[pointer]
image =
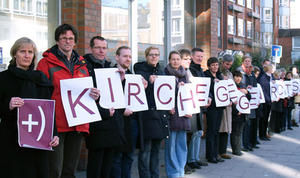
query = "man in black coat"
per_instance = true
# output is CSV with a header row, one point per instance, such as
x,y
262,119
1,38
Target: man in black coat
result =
x,y
196,70
107,134
124,154
155,123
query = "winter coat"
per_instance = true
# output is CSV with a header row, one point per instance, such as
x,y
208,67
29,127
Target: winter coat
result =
x,y
178,123
155,122
54,66
264,81
227,112
109,132
14,160
212,85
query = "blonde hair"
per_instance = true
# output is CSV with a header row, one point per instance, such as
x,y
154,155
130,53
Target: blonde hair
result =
x,y
268,68
277,74
18,44
147,51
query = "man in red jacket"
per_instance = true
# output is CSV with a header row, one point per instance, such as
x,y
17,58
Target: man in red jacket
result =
x,y
58,63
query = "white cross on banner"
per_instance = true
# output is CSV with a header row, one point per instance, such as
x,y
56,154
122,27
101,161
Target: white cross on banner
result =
x,y
35,123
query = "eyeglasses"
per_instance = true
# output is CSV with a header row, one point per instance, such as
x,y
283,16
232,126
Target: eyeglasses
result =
x,y
66,39
153,55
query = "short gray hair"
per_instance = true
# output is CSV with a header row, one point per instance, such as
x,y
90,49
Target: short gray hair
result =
x,y
227,58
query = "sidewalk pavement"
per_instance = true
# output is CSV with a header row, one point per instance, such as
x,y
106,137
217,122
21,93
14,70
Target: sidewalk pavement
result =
x,y
278,158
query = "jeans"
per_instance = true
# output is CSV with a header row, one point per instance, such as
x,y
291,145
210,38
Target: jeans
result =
x,y
148,159
194,147
122,160
65,157
175,154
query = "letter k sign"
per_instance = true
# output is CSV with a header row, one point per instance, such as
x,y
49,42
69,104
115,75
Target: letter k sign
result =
x,y
77,101
79,107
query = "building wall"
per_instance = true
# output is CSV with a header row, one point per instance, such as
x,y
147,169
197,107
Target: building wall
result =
x,y
286,43
85,16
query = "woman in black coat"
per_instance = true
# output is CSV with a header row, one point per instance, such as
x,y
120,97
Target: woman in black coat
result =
x,y
21,81
214,114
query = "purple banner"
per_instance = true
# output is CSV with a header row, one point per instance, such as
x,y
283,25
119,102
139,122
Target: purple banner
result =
x,y
35,123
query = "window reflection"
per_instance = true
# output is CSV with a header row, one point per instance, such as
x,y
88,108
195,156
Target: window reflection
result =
x,y
182,24
150,24
115,24
19,18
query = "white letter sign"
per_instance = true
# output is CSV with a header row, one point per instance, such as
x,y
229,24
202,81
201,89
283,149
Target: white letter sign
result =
x,y
232,89
274,91
201,86
261,94
243,105
186,102
110,86
135,96
254,101
79,107
221,93
164,92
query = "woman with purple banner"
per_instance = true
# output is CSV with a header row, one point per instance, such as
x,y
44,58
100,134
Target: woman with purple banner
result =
x,y
21,81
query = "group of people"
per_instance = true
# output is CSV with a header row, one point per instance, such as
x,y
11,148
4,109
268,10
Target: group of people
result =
x,y
112,142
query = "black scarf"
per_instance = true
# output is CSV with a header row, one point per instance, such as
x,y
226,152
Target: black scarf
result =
x,y
30,75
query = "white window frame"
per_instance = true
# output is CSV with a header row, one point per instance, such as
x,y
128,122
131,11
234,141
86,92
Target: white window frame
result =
x,y
296,47
241,2
241,32
233,32
249,4
249,35
267,17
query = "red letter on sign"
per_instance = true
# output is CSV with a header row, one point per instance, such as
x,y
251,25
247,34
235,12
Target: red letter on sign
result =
x,y
110,89
134,94
186,99
198,86
246,103
77,101
274,89
226,95
169,86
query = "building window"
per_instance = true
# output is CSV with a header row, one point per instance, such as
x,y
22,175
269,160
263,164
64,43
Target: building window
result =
x,y
231,24
175,26
21,19
257,37
182,25
4,4
115,23
241,27
249,4
232,1
267,39
267,15
241,2
219,23
249,30
284,3
257,9
284,22
296,42
175,3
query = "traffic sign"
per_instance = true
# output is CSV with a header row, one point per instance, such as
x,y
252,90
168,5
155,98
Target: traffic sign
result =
x,y
276,53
